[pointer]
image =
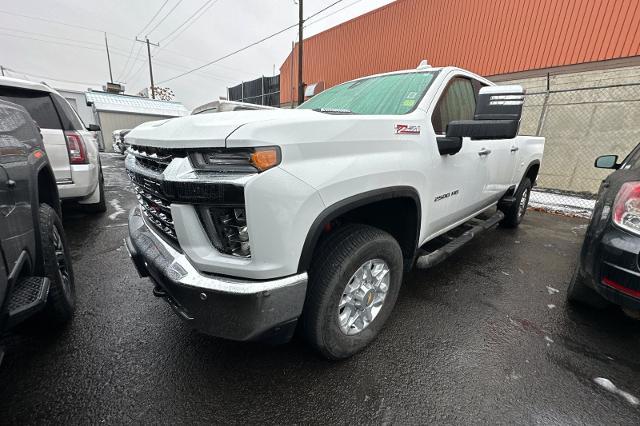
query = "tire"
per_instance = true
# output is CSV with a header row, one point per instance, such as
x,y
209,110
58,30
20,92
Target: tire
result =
x,y
514,213
100,206
343,253
56,265
579,292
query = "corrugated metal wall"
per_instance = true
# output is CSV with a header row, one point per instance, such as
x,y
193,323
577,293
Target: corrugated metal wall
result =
x,y
110,121
489,37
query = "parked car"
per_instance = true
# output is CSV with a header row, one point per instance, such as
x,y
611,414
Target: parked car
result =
x,y
36,276
250,221
608,269
119,145
72,148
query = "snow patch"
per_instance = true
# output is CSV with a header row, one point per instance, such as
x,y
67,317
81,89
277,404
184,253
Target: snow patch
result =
x,y
552,290
608,385
561,203
118,210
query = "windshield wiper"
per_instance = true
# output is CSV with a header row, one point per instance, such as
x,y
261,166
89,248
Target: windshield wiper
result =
x,y
333,110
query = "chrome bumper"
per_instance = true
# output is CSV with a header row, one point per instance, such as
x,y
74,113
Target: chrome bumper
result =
x,y
236,309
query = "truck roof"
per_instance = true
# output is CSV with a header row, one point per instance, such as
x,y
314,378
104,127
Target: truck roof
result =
x,y
425,69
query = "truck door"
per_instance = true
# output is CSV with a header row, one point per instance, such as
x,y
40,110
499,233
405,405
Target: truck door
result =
x,y
457,180
497,162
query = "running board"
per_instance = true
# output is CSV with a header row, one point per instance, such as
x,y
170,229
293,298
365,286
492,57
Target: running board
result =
x,y
27,298
471,229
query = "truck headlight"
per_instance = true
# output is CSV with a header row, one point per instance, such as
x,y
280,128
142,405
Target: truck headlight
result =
x,y
236,160
227,229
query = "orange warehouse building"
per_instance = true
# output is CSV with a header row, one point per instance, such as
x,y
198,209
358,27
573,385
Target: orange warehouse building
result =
x,y
500,39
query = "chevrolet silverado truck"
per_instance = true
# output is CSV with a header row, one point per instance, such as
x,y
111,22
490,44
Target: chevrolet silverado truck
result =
x,y
255,224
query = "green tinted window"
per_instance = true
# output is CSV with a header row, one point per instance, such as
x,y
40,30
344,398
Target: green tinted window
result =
x,y
387,94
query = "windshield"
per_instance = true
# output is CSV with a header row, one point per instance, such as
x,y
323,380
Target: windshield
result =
x,y
385,94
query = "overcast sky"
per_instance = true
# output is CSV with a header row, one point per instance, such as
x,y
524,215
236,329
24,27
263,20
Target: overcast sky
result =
x,y
74,58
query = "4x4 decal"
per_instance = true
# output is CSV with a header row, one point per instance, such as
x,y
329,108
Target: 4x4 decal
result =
x,y
406,129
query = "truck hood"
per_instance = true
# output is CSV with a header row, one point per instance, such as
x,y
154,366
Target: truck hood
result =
x,y
207,130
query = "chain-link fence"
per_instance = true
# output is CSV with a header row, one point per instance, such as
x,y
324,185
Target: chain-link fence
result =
x,y
579,125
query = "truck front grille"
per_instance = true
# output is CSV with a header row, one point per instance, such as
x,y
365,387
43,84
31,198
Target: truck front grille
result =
x,y
155,208
155,159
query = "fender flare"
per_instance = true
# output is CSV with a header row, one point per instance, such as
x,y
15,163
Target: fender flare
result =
x,y
350,203
531,164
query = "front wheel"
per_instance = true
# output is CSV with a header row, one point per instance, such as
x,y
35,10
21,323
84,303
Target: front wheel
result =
x,y
354,284
57,267
514,213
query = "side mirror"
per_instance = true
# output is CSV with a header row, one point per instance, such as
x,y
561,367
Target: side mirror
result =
x,y
93,128
497,115
607,162
449,145
500,103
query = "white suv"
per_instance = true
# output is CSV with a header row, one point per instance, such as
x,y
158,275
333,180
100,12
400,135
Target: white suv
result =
x,y
71,147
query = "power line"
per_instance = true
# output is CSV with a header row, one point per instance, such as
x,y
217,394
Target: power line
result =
x,y
127,74
133,44
248,46
52,42
333,13
165,17
230,54
154,16
206,5
52,21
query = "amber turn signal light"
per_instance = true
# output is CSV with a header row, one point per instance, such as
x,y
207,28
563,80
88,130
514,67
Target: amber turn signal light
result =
x,y
265,158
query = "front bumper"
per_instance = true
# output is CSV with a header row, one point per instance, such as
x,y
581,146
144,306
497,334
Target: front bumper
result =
x,y
236,309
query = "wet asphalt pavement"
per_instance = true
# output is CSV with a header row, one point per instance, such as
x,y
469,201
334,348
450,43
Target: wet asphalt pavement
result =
x,y
485,337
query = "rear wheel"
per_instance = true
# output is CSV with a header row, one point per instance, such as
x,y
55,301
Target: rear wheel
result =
x,y
514,213
354,284
580,292
57,267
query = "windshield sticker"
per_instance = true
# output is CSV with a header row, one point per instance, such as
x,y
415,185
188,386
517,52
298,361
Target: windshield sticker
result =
x,y
412,95
409,102
405,129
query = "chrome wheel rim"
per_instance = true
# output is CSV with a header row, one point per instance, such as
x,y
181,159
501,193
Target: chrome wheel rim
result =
x,y
363,296
522,208
61,262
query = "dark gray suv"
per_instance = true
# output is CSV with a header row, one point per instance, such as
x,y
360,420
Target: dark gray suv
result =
x,y
36,277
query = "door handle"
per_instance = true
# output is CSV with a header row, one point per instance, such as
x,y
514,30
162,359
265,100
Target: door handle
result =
x,y
514,148
11,184
484,151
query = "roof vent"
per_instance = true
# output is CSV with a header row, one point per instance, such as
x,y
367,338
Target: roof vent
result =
x,y
424,64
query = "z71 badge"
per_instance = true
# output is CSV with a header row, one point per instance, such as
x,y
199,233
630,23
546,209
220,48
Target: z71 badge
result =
x,y
405,129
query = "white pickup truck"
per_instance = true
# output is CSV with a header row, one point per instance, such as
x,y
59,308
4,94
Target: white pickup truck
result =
x,y
254,223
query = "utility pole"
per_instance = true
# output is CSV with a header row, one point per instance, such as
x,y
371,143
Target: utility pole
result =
x,y
2,69
106,43
300,42
146,40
